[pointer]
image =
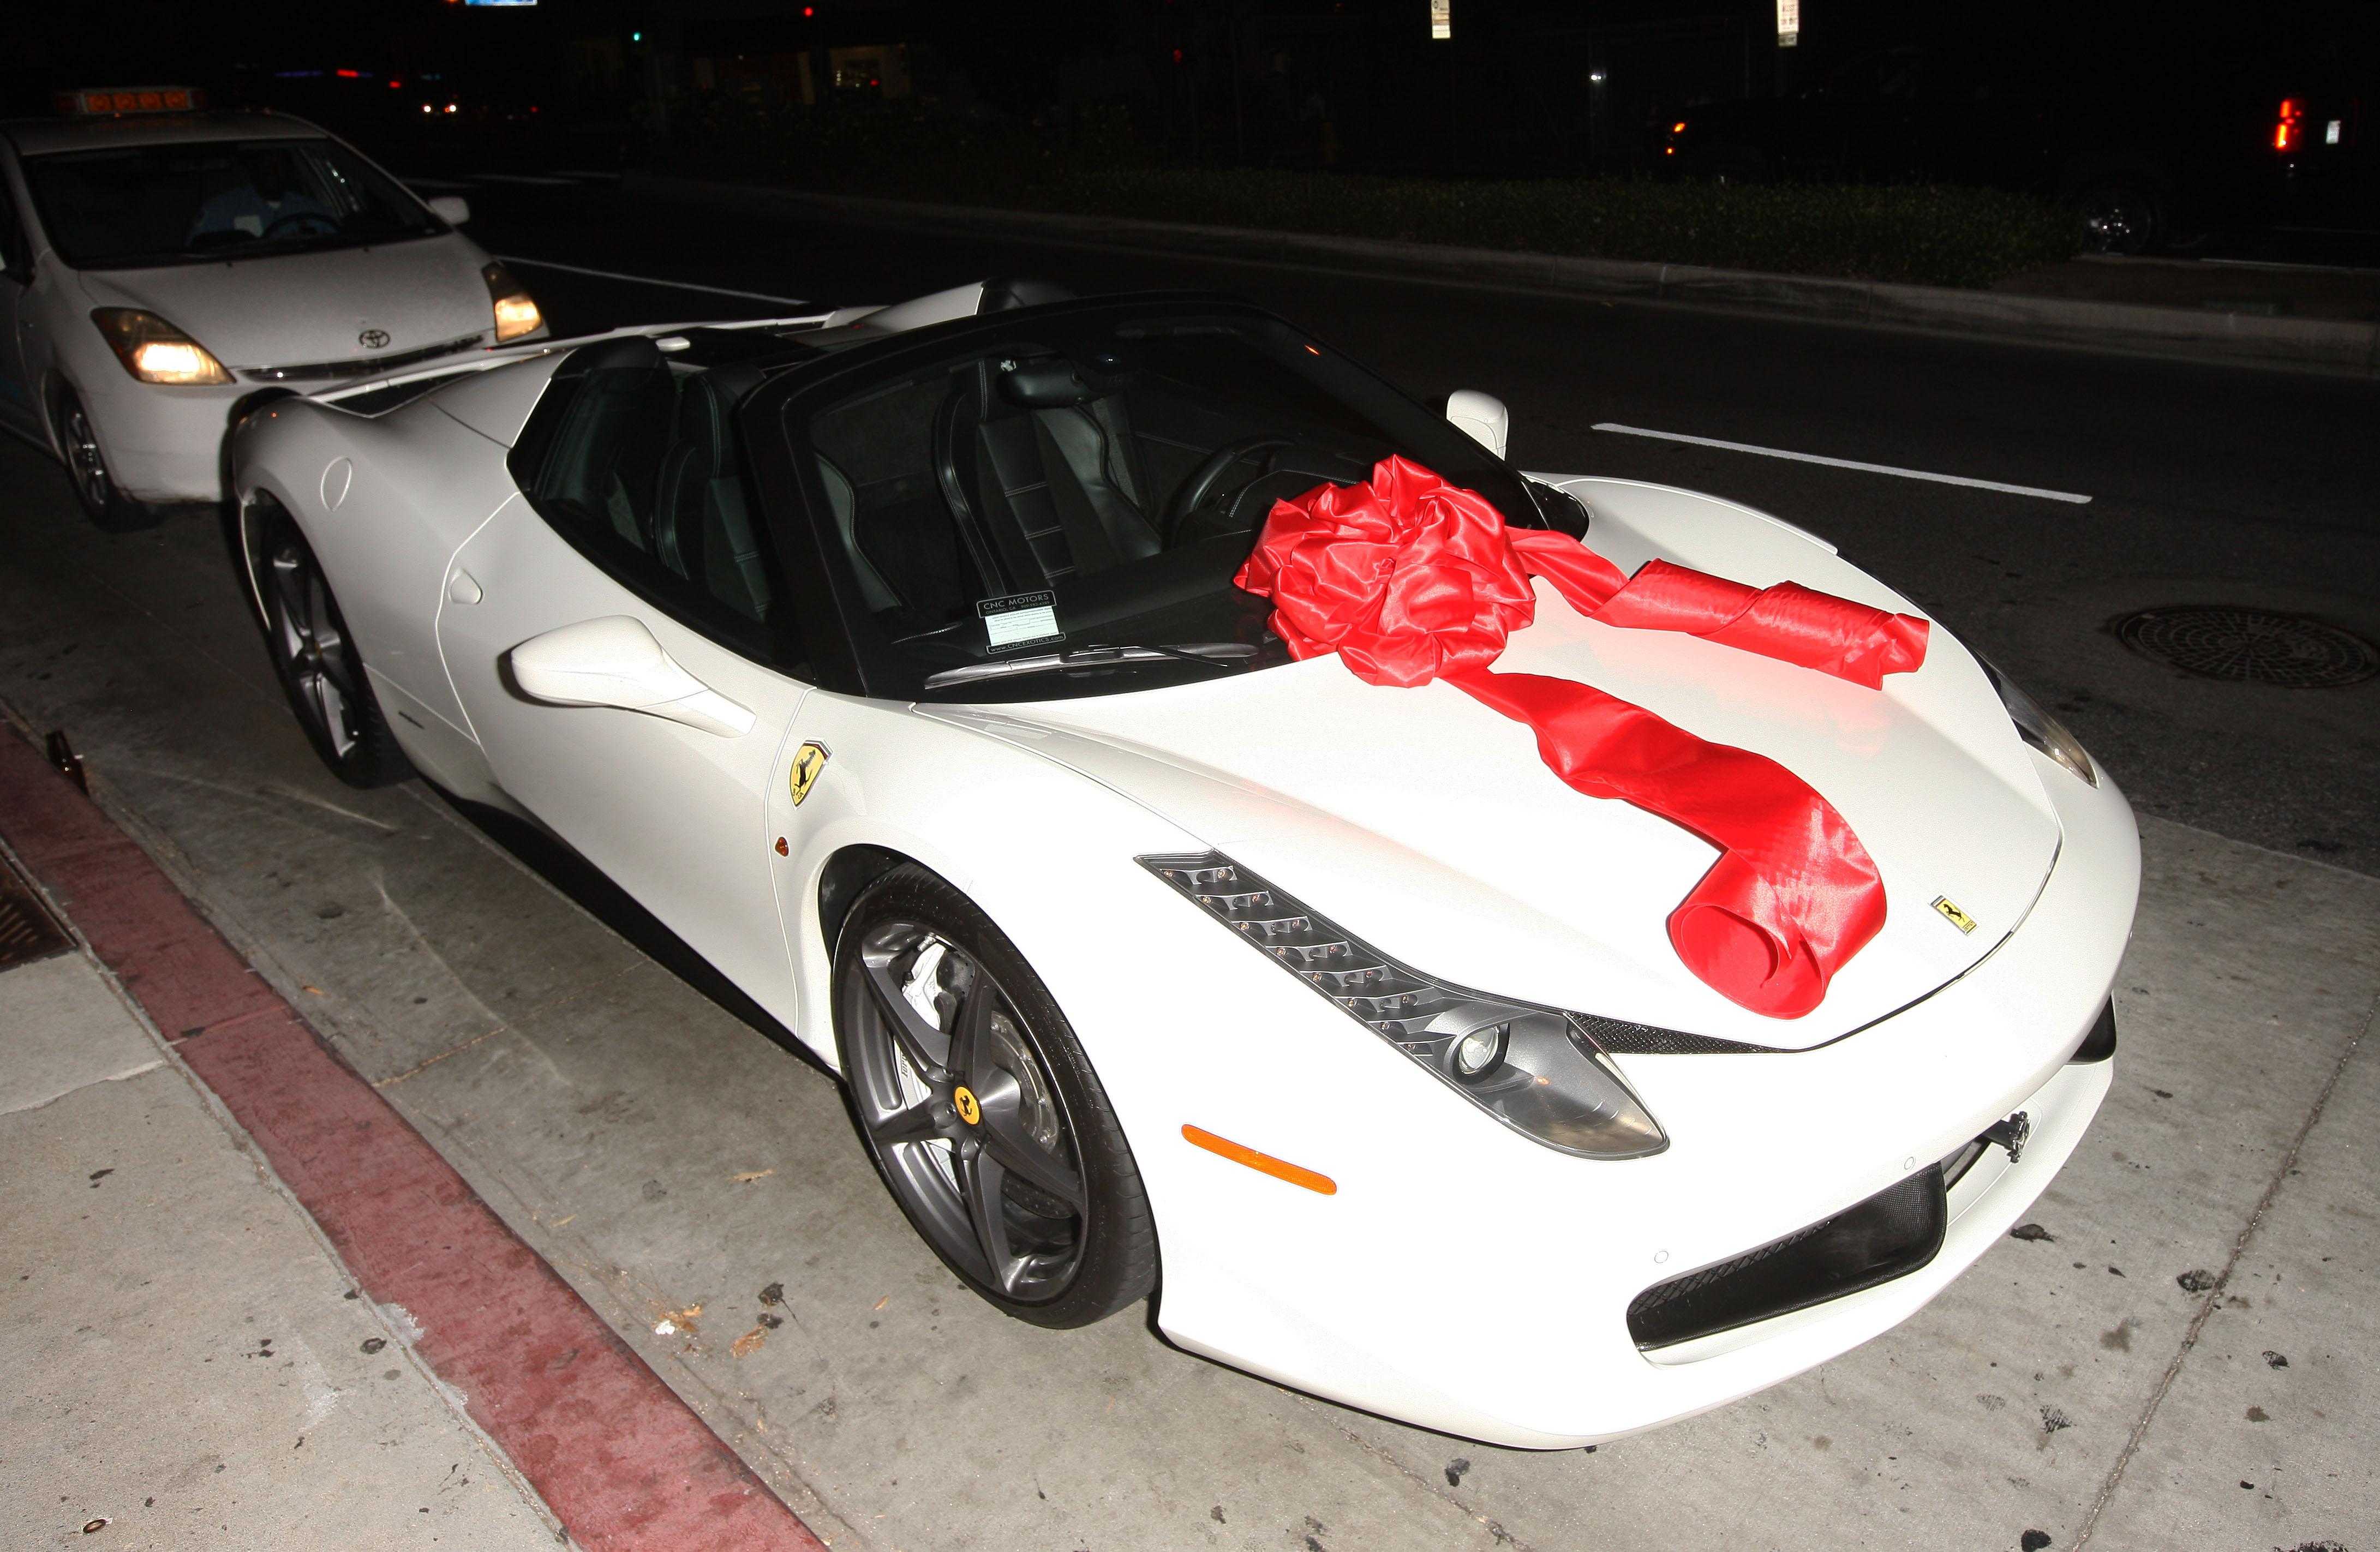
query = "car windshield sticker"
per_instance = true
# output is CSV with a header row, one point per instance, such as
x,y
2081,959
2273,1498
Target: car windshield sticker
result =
x,y
1021,620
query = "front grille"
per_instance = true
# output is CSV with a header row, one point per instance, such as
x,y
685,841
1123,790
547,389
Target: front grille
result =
x,y
359,366
1891,1234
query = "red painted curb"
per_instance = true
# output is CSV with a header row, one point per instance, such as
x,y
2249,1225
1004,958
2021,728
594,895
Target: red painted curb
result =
x,y
625,1463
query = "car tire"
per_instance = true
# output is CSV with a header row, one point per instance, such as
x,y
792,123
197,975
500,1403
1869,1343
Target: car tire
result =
x,y
315,658
2125,208
102,500
986,1122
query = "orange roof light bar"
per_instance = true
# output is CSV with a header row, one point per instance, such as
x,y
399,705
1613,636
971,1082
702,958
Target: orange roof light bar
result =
x,y
1262,1163
2287,132
109,99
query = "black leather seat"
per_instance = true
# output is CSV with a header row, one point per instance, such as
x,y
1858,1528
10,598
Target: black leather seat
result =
x,y
1042,493
702,528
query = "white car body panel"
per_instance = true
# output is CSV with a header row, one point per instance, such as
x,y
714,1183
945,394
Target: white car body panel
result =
x,y
496,403
293,309
1427,855
1449,845
674,816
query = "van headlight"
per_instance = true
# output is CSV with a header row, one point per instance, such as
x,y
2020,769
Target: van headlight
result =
x,y
154,351
516,314
1532,1068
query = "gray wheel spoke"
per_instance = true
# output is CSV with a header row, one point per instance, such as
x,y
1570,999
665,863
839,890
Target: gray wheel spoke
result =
x,y
911,1123
966,1030
330,646
333,706
333,657
290,591
1007,1143
979,1180
917,1039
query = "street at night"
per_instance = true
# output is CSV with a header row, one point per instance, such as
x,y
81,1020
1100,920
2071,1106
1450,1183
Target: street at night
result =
x,y
612,1212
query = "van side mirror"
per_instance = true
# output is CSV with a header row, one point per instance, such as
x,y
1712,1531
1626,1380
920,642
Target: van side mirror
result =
x,y
452,208
1482,417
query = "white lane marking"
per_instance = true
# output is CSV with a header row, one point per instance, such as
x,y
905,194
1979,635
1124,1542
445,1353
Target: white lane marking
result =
x,y
1849,463
649,279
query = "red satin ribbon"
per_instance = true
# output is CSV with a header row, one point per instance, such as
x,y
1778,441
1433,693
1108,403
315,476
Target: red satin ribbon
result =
x,y
1410,579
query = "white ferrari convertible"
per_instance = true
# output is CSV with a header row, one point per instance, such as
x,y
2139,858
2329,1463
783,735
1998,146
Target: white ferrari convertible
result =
x,y
1074,721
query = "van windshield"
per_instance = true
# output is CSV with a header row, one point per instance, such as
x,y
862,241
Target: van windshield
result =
x,y
196,202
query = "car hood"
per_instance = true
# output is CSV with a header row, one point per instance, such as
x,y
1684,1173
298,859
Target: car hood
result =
x,y
1426,824
310,308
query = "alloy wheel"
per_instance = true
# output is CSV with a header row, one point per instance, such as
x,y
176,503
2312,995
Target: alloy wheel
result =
x,y
2118,218
959,1104
85,462
310,642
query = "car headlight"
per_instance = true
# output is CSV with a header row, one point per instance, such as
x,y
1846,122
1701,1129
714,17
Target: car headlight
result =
x,y
516,314
154,351
1533,1069
2037,727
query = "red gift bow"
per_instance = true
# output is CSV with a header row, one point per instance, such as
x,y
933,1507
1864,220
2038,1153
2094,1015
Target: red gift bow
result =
x,y
1410,579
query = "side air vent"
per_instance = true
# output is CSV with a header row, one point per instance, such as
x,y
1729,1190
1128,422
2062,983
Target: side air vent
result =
x,y
1891,1234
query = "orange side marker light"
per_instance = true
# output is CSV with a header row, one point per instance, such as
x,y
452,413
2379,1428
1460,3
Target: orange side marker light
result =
x,y
1262,1163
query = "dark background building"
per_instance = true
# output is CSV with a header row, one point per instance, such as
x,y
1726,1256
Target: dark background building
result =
x,y
2144,98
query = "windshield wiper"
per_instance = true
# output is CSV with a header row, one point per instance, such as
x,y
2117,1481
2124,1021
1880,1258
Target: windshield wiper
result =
x,y
1213,654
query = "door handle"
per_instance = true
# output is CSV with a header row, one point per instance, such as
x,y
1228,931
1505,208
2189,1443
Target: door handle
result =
x,y
616,662
462,588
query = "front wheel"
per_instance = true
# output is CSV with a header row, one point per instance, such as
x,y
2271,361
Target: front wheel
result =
x,y
981,1110
102,500
2123,212
315,659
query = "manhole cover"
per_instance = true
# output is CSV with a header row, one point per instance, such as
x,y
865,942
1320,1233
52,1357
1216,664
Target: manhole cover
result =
x,y
26,930
2260,646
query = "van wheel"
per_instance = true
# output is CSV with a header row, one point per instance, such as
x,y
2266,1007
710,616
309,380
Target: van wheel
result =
x,y
102,500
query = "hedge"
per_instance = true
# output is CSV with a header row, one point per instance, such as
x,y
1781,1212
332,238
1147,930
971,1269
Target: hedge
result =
x,y
1930,234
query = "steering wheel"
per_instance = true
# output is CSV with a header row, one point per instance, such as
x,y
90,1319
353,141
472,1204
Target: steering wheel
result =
x,y
303,223
1194,492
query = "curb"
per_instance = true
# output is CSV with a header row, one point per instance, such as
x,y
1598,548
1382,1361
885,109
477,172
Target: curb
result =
x,y
2331,346
619,1458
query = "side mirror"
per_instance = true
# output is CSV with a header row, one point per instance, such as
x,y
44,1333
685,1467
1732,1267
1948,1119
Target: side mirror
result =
x,y
1482,416
452,208
616,662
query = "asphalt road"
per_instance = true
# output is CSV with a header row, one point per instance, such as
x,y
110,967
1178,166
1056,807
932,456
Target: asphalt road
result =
x,y
2207,484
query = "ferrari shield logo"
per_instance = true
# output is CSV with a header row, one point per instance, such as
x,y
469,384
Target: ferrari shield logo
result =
x,y
1951,914
808,761
970,1109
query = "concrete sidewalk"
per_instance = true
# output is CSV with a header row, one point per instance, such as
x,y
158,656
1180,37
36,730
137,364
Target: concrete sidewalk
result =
x,y
188,1364
620,1461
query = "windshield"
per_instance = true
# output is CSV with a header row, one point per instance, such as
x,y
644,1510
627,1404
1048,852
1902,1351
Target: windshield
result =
x,y
1094,479
190,202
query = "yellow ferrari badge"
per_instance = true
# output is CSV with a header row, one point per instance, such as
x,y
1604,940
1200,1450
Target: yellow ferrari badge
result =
x,y
963,1101
1951,914
808,761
